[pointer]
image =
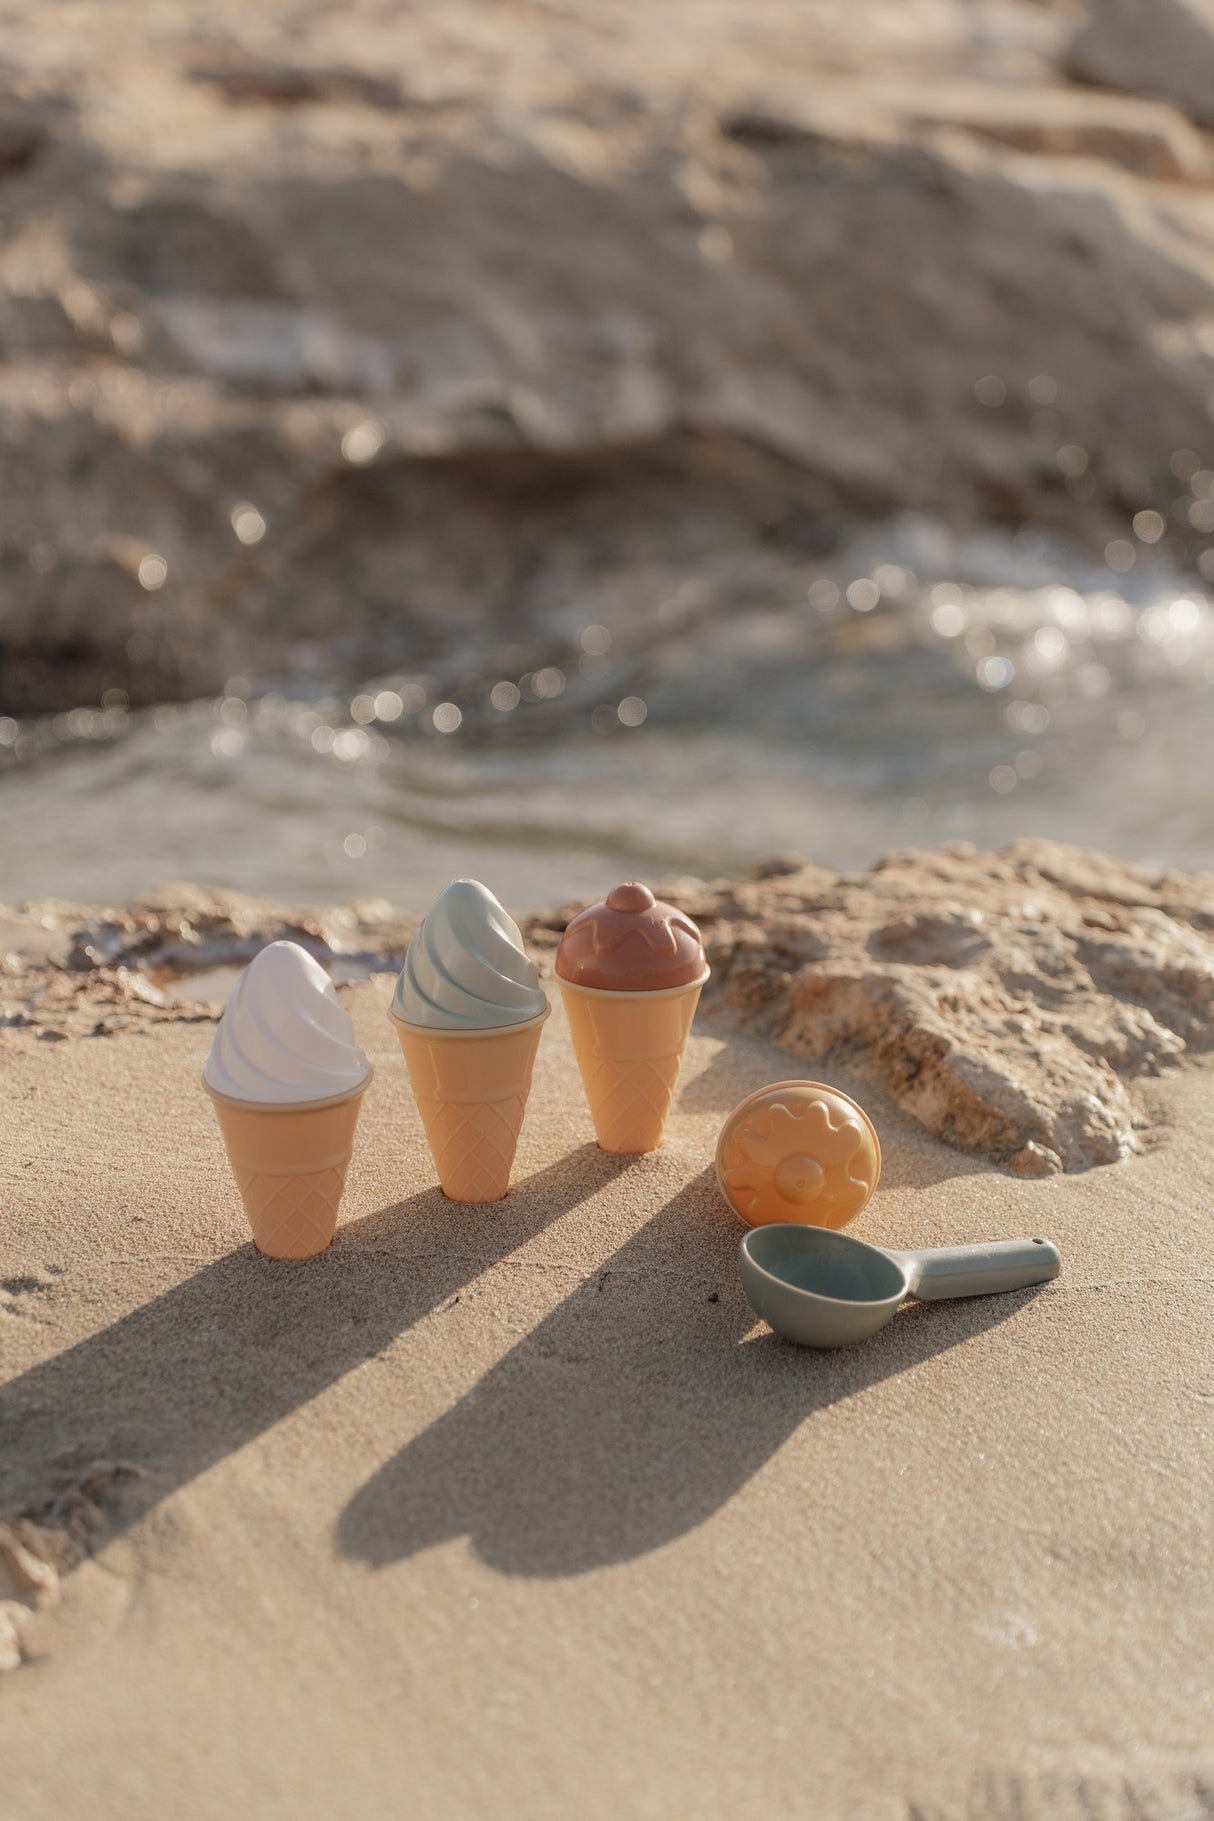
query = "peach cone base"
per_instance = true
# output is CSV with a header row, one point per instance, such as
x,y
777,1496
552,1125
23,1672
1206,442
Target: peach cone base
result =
x,y
290,1166
630,1049
471,1089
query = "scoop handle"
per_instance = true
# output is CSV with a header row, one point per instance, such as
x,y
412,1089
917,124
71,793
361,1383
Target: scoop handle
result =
x,y
1001,1264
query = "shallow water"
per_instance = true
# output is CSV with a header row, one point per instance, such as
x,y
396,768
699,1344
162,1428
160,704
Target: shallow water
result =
x,y
852,711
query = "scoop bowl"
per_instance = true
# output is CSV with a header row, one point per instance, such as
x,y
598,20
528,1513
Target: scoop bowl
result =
x,y
821,1288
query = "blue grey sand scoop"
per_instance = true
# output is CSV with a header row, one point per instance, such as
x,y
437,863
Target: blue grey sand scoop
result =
x,y
821,1288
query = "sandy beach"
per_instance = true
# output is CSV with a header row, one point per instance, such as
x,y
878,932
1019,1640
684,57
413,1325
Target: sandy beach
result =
x,y
516,1510
764,451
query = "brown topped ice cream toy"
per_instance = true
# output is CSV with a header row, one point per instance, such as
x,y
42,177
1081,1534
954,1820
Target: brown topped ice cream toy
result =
x,y
631,971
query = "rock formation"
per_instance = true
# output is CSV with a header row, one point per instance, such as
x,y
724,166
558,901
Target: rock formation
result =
x,y
334,341
1009,1001
1151,47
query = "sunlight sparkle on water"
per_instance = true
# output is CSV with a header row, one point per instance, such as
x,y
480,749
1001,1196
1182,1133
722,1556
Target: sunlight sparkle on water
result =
x,y
996,672
1049,648
248,523
364,442
893,581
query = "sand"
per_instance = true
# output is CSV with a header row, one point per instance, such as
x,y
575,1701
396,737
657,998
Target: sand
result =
x,y
516,1512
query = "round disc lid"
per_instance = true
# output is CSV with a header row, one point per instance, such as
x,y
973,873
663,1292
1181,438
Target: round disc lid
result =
x,y
798,1151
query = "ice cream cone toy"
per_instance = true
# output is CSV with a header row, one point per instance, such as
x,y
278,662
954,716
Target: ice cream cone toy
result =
x,y
631,971
286,1079
798,1152
468,1010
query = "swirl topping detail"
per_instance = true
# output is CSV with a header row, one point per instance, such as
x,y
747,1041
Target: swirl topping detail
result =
x,y
466,968
283,1038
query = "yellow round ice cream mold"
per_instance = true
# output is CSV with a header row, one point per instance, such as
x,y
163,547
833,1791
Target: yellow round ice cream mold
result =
x,y
798,1151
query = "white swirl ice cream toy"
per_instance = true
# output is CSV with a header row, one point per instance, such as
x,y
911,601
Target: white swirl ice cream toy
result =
x,y
287,1079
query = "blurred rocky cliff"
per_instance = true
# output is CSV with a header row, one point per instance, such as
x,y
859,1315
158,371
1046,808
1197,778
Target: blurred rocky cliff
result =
x,y
331,335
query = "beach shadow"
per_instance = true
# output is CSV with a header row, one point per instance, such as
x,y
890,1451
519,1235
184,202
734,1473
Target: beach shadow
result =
x,y
632,1413
202,1370
738,1068
910,1157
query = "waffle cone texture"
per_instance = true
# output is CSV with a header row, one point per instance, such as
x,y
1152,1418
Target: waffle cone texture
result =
x,y
290,1166
630,1050
471,1089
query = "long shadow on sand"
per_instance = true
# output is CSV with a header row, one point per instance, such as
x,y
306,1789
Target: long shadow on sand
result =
x,y
198,1372
632,1413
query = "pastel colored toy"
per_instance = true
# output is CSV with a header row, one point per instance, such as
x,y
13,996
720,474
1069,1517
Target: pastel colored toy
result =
x,y
468,1011
825,1289
798,1151
631,971
286,1079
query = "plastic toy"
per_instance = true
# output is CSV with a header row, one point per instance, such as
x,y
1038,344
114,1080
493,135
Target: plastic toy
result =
x,y
631,971
287,1079
468,1010
825,1289
798,1151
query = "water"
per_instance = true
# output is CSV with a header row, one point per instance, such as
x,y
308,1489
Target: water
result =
x,y
922,689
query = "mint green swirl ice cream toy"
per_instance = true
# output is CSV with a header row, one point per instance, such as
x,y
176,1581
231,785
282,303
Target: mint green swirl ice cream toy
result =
x,y
468,1010
466,969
